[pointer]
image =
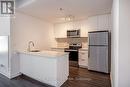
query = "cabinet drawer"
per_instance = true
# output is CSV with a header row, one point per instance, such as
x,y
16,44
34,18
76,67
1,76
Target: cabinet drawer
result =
x,y
83,55
83,58
83,63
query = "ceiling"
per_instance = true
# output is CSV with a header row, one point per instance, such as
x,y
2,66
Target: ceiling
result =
x,y
50,9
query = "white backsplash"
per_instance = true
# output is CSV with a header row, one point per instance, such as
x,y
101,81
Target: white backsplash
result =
x,y
64,42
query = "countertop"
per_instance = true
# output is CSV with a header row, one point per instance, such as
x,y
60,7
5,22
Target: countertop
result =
x,y
59,47
83,49
62,48
45,53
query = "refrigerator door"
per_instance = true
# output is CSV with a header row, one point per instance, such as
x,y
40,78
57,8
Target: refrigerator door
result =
x,y
98,38
98,58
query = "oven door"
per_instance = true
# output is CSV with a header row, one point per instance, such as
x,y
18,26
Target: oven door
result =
x,y
73,57
73,54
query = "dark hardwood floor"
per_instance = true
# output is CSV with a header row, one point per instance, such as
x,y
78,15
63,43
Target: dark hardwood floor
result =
x,y
78,78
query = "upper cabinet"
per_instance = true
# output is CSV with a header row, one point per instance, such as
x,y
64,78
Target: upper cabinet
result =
x,y
95,23
92,23
60,30
84,28
101,22
104,22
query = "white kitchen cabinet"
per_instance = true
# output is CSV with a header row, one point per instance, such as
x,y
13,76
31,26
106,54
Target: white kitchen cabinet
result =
x,y
94,23
104,22
82,25
84,32
101,22
60,30
84,29
83,59
48,67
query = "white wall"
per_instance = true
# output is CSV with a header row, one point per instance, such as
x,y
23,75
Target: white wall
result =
x,y
121,44
4,25
25,28
124,44
114,44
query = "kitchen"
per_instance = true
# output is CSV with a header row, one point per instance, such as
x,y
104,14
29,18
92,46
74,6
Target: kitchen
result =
x,y
53,39
80,42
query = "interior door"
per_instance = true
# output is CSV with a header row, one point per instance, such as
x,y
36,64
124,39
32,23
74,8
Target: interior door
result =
x,y
98,58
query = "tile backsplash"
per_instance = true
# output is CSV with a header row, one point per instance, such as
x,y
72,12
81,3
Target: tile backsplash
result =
x,y
64,42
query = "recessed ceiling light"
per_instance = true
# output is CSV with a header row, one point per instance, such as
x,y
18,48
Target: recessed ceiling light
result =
x,y
61,9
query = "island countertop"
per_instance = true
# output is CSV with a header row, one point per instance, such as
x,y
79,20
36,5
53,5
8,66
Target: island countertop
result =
x,y
46,53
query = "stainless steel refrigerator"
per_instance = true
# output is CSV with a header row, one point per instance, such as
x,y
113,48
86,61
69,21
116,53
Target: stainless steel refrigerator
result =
x,y
99,51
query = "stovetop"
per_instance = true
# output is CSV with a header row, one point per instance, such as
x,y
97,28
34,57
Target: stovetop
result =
x,y
73,47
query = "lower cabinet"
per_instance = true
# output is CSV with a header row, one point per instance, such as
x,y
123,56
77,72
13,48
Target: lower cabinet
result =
x,y
50,69
83,59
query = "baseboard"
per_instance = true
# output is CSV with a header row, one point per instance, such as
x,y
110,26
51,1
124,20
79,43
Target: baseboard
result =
x,y
83,66
112,85
5,74
15,75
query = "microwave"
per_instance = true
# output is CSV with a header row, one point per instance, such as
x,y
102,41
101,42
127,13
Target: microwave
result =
x,y
73,33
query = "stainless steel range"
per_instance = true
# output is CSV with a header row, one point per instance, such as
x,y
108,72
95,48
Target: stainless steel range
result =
x,y
73,53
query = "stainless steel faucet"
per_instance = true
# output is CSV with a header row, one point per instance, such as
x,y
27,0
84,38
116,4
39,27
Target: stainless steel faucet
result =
x,y
29,44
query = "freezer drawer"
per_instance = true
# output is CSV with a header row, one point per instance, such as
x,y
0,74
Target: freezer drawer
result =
x,y
98,38
98,58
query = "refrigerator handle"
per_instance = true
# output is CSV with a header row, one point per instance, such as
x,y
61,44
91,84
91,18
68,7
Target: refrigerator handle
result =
x,y
88,52
88,47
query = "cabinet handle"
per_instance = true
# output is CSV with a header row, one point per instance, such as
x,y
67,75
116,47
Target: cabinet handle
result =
x,y
82,53
83,59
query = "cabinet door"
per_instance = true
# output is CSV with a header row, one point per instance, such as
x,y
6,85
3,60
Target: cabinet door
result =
x,y
104,22
93,23
84,29
26,66
83,58
60,31
82,25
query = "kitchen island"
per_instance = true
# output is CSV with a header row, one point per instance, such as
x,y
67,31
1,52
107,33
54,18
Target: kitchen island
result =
x,y
49,67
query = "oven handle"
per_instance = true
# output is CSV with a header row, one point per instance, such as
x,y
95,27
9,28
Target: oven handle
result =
x,y
71,51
